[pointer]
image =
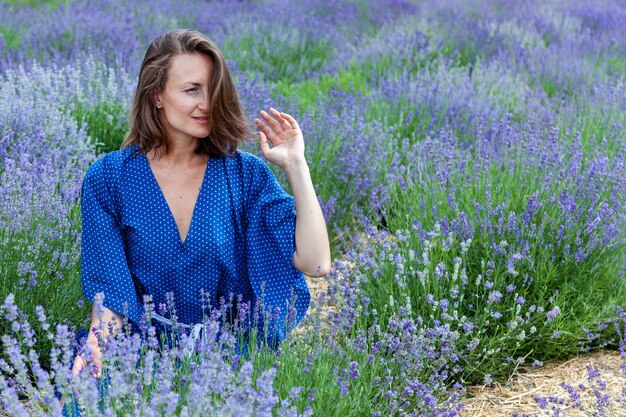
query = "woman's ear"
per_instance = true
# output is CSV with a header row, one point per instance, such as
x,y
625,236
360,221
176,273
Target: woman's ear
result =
x,y
157,101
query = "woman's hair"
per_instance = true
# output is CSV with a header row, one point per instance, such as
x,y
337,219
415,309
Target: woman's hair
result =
x,y
227,122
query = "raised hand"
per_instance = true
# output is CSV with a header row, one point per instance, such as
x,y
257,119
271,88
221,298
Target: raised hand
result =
x,y
283,133
312,255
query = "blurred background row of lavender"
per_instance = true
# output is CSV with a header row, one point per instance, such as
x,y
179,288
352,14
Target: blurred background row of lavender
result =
x,y
469,158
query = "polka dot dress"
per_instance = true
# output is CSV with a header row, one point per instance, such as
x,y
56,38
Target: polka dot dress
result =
x,y
241,240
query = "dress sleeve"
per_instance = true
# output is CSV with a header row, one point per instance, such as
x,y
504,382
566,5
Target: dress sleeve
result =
x,y
270,239
103,259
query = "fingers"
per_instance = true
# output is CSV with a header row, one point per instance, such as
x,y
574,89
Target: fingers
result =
x,y
276,121
96,369
265,147
265,129
80,365
284,124
275,125
292,122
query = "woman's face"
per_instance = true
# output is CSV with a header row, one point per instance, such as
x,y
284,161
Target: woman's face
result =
x,y
184,103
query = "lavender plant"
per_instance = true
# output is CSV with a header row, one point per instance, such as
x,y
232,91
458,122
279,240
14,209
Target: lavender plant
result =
x,y
138,375
560,47
598,114
142,376
43,154
469,159
419,104
510,244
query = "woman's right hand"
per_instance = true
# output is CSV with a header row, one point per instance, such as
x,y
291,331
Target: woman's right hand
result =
x,y
108,317
80,364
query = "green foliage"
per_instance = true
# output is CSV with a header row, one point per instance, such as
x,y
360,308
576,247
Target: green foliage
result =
x,y
615,63
587,292
50,4
106,124
63,41
321,376
549,86
46,277
309,93
464,56
10,36
599,118
282,57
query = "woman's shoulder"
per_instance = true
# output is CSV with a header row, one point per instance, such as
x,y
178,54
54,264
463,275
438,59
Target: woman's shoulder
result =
x,y
251,164
110,164
249,160
251,169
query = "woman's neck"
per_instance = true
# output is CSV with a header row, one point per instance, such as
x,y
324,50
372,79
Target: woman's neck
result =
x,y
178,155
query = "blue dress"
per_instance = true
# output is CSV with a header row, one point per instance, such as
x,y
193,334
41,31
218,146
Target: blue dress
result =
x,y
241,240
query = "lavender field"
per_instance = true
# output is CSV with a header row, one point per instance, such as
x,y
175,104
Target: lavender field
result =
x,y
470,162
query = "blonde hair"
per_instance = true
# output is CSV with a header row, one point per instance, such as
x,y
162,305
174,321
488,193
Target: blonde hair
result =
x,y
228,124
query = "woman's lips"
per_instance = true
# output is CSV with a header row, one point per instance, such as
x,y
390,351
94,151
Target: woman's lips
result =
x,y
201,120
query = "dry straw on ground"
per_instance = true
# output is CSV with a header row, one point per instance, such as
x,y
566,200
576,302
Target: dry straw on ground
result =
x,y
318,287
519,392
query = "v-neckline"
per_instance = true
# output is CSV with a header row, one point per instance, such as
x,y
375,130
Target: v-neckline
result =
x,y
181,241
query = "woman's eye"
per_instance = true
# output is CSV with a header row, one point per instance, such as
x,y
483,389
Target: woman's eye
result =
x,y
191,90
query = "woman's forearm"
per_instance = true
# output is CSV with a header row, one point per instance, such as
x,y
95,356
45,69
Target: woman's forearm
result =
x,y
312,255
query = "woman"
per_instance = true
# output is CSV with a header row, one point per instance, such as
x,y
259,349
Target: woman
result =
x,y
180,210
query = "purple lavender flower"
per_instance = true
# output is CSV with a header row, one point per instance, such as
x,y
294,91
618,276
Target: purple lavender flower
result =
x,y
468,326
487,380
552,314
494,297
353,370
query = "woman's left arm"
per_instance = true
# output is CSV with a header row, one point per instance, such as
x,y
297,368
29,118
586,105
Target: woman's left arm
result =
x,y
312,255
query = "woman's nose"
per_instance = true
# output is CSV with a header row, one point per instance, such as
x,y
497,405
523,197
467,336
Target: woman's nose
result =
x,y
205,101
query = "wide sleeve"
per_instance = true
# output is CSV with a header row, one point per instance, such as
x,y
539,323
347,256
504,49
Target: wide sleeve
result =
x,y
270,240
103,259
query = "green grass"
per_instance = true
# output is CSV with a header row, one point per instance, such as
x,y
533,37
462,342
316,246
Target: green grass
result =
x,y
106,124
284,59
320,375
10,36
61,42
614,63
599,120
465,56
308,94
358,77
50,4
